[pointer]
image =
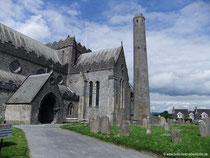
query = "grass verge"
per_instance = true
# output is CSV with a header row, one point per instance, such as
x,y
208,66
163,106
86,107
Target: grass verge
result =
x,y
192,143
15,146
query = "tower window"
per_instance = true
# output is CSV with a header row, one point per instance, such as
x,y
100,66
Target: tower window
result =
x,y
97,93
138,47
90,93
137,21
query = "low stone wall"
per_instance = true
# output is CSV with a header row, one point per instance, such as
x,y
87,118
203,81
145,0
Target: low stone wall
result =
x,y
18,113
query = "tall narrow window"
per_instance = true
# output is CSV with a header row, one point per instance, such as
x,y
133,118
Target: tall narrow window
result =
x,y
97,93
70,109
121,93
116,94
90,93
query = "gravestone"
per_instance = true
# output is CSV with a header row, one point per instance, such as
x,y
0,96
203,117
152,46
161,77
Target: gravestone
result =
x,y
124,128
118,120
155,120
176,136
105,125
193,122
187,122
180,122
202,128
95,128
86,124
144,123
166,126
162,121
174,121
170,122
148,130
91,121
207,121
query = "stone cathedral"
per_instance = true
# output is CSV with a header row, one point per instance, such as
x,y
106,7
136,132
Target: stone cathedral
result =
x,y
64,80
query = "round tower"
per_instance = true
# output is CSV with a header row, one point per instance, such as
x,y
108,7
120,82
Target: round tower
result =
x,y
141,83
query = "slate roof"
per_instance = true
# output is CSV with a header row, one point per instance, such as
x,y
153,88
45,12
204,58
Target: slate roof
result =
x,y
6,76
20,40
200,111
100,56
67,93
29,89
183,111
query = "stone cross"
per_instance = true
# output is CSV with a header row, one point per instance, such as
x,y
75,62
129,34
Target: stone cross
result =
x,y
105,125
176,136
124,128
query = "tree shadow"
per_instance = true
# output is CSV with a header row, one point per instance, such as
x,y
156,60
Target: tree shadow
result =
x,y
6,144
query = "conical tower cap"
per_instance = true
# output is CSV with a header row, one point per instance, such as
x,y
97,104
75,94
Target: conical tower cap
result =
x,y
139,16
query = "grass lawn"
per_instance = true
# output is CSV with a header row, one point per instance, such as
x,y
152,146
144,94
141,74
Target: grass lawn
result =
x,y
15,146
155,142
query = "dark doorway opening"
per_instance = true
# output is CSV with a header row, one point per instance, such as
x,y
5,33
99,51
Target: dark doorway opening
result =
x,y
46,112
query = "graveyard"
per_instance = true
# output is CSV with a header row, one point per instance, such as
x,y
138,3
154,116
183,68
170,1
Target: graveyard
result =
x,y
158,141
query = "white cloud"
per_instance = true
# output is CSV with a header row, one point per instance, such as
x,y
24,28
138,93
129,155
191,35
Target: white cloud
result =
x,y
35,27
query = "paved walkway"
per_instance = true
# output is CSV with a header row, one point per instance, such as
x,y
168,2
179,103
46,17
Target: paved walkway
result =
x,y
49,141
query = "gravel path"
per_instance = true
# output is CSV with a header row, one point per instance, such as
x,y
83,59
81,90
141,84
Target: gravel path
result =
x,y
49,141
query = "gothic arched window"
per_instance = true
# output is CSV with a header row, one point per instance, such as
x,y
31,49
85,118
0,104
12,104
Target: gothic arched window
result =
x,y
97,93
90,93
70,109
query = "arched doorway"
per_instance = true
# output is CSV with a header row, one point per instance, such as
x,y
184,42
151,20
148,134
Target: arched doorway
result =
x,y
46,111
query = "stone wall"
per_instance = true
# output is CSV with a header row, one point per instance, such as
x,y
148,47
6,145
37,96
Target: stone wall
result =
x,y
4,96
18,113
79,83
74,112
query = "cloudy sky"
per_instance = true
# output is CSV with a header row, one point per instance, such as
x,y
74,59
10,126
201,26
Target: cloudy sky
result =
x,y
177,32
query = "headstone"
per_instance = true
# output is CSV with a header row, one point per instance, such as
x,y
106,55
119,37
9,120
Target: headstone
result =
x,y
91,121
202,128
95,128
162,121
170,122
86,124
166,126
174,121
187,122
155,120
207,121
180,122
148,130
124,128
193,122
176,136
144,123
105,125
118,120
